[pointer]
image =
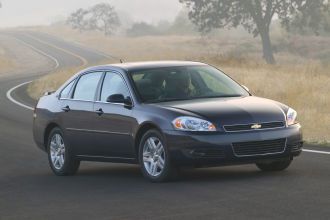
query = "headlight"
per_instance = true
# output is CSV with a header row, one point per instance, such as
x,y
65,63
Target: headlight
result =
x,y
192,124
291,116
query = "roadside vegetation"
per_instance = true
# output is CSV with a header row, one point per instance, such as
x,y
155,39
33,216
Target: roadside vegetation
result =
x,y
300,77
301,82
6,64
50,82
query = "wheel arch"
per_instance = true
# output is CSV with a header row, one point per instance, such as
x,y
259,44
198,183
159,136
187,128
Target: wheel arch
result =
x,y
48,129
141,131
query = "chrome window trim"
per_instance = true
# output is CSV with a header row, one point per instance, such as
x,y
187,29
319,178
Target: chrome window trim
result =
x,y
79,100
111,103
259,129
253,155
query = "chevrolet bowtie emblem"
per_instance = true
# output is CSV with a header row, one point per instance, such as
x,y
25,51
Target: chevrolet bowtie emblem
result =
x,y
256,126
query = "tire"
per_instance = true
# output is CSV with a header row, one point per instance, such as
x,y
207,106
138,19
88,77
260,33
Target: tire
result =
x,y
275,166
160,159
60,157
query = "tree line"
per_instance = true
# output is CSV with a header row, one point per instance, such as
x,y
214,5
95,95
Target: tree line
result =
x,y
256,16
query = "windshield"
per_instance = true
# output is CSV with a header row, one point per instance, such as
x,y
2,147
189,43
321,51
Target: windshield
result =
x,y
184,83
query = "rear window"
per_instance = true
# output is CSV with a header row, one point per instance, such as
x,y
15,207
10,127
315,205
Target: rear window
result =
x,y
65,94
86,86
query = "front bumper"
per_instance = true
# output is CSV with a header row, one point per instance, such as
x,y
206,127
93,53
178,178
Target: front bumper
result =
x,y
213,149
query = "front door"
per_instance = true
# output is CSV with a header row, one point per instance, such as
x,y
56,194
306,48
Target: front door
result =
x,y
113,121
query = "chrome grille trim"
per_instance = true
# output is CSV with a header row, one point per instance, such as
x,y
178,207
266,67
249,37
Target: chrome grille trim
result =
x,y
247,127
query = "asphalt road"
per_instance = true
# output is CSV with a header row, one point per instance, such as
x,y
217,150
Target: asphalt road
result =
x,y
29,190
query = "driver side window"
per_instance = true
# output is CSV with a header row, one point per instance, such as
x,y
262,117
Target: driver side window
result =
x,y
113,84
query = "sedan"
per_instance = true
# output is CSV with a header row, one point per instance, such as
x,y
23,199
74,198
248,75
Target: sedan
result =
x,y
163,116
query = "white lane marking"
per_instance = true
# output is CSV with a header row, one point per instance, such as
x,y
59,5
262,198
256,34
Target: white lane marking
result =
x,y
57,64
316,151
83,47
9,92
108,56
83,59
17,102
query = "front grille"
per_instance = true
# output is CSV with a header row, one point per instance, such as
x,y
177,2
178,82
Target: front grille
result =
x,y
248,127
253,148
208,153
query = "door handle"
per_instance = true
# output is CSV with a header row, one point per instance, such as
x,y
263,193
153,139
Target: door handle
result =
x,y
99,112
66,108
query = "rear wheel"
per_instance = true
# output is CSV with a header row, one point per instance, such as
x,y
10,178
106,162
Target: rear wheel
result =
x,y
60,157
275,165
154,157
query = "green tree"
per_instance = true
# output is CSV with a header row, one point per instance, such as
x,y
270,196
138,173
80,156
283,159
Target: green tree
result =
x,y
254,15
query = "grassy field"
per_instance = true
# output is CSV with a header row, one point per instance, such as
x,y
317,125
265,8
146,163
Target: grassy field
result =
x,y
6,64
301,82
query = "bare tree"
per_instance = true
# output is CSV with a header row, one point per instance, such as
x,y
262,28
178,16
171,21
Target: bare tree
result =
x,y
254,15
101,17
78,20
104,18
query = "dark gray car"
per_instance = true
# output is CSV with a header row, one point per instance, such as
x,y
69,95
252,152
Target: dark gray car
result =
x,y
163,115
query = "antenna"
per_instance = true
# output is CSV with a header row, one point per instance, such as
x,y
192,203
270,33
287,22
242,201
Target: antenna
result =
x,y
110,56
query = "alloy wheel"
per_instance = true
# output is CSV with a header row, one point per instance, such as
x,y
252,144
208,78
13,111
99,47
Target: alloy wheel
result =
x,y
57,151
154,156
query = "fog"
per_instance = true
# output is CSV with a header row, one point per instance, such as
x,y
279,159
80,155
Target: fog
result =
x,y
43,12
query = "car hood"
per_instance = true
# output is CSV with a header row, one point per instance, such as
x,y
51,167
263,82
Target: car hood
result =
x,y
231,111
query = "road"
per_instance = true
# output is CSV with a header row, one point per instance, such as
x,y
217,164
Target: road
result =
x,y
29,190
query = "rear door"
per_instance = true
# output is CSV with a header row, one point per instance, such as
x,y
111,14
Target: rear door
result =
x,y
77,115
114,124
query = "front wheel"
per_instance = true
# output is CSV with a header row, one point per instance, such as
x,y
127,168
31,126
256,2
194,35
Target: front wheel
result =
x,y
275,166
60,158
154,157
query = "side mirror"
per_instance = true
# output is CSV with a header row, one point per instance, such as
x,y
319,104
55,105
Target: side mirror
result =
x,y
119,98
246,88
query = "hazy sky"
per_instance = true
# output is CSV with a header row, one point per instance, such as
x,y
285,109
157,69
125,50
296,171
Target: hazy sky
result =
x,y
36,12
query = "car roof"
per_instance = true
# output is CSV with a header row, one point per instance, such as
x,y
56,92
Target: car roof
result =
x,y
135,66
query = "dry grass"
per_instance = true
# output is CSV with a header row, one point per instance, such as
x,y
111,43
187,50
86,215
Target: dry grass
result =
x,y
50,82
303,87
6,64
300,83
